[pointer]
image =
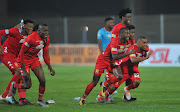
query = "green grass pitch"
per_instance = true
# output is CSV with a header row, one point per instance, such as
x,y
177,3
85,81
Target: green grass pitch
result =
x,y
159,91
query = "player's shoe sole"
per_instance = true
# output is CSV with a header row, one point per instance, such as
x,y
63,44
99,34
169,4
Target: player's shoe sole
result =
x,y
124,99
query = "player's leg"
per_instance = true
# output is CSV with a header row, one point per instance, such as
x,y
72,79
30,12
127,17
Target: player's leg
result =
x,y
135,83
99,69
38,71
22,92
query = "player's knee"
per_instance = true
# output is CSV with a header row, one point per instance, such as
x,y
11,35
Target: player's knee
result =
x,y
137,82
28,86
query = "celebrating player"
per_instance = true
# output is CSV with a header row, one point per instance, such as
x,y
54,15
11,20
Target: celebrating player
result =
x,y
104,60
130,68
125,16
10,50
29,59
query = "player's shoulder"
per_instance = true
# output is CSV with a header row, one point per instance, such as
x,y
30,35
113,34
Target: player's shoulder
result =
x,y
101,30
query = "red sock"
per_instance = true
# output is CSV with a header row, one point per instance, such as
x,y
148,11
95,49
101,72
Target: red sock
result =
x,y
88,90
131,86
114,80
41,92
21,92
108,91
15,78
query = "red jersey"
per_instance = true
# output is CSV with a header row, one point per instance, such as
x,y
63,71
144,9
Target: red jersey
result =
x,y
14,41
115,30
114,47
32,45
133,67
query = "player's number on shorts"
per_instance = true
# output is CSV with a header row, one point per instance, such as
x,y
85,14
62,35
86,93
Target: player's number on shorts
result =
x,y
136,75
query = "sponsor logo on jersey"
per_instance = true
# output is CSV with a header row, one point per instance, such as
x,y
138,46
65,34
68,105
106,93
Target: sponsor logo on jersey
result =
x,y
132,55
26,44
113,35
139,54
114,49
6,31
41,42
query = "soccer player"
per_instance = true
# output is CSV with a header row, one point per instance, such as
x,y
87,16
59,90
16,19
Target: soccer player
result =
x,y
9,53
125,16
29,59
104,60
130,68
104,34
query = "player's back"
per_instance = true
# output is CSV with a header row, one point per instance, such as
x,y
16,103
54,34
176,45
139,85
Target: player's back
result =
x,y
105,36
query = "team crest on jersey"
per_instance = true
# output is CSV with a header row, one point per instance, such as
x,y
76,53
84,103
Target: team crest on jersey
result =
x,y
6,31
26,44
126,45
114,49
97,71
132,55
24,37
109,36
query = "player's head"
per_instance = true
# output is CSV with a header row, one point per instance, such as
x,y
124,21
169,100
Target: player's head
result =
x,y
142,42
124,34
125,15
109,22
131,30
28,26
43,31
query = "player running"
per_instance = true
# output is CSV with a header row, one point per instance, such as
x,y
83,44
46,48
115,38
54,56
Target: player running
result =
x,y
106,58
130,68
29,59
10,50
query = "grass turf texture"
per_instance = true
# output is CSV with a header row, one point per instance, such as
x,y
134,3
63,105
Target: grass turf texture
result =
x,y
159,91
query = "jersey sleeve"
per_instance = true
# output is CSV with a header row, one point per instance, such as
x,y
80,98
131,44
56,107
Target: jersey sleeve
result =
x,y
114,32
114,46
99,34
46,52
13,31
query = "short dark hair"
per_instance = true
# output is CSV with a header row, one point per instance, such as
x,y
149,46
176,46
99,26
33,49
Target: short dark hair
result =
x,y
28,21
122,29
36,27
123,12
141,37
130,27
108,18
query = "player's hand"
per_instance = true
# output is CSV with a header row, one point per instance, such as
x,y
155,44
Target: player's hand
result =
x,y
132,51
1,50
52,72
149,54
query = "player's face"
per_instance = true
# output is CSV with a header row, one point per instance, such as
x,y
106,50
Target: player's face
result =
x,y
126,35
110,24
143,44
127,18
44,33
28,28
132,33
